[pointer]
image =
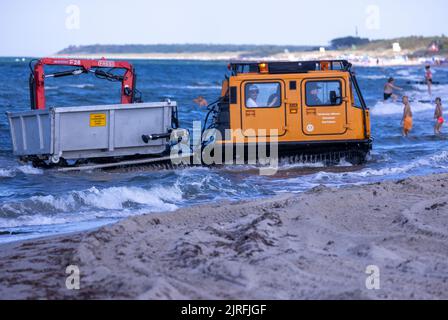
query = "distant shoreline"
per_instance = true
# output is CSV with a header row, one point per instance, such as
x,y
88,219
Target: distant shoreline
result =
x,y
403,51
359,59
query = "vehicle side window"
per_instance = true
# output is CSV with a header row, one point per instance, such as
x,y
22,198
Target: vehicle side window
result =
x,y
263,95
355,97
323,93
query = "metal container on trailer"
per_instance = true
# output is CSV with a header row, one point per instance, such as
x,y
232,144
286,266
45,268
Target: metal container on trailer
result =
x,y
91,131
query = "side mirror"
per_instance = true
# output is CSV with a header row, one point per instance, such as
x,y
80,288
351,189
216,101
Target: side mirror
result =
x,y
334,99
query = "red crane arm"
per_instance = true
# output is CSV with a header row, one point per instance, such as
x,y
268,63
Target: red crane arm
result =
x,y
37,81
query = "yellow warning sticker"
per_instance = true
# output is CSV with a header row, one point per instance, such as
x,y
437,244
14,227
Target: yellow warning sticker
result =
x,y
98,120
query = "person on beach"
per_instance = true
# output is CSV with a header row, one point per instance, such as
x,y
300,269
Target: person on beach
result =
x,y
438,116
428,79
406,122
389,88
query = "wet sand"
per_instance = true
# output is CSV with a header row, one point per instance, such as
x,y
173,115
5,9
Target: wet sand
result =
x,y
315,245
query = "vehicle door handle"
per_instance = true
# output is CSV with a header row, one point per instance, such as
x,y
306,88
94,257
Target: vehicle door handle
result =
x,y
250,113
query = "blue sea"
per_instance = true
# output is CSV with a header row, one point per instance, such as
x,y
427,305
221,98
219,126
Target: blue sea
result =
x,y
35,203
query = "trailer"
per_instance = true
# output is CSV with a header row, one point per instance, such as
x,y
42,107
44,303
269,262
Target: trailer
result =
x,y
91,132
98,136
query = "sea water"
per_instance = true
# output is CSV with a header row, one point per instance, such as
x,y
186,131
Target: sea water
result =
x,y
35,202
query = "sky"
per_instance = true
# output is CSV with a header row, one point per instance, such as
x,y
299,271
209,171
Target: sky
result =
x,y
38,28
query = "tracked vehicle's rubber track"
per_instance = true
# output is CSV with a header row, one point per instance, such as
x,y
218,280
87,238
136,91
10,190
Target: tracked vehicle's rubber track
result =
x,y
354,157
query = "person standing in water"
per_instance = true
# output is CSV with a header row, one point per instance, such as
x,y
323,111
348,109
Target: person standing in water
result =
x,y
406,122
438,116
389,88
428,79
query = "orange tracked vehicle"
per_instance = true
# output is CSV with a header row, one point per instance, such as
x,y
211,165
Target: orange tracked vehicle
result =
x,y
313,110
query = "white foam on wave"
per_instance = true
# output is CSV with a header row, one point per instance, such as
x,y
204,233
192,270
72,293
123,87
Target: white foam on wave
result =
x,y
390,108
372,77
403,73
30,170
367,175
344,163
439,160
192,87
7,173
51,87
34,220
437,90
89,204
203,181
406,75
203,87
310,165
78,86
296,164
81,86
117,197
12,172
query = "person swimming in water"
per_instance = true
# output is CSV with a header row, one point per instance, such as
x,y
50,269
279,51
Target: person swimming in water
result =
x,y
438,116
389,88
200,101
406,122
428,79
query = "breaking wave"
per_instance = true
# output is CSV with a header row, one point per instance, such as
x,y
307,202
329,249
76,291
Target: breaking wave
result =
x,y
439,160
77,86
88,204
6,173
12,172
390,108
192,87
372,77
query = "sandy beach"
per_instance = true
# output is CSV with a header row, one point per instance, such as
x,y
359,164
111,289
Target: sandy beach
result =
x,y
314,245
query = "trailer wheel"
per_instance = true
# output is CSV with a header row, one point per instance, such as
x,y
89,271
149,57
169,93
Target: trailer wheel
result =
x,y
55,159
